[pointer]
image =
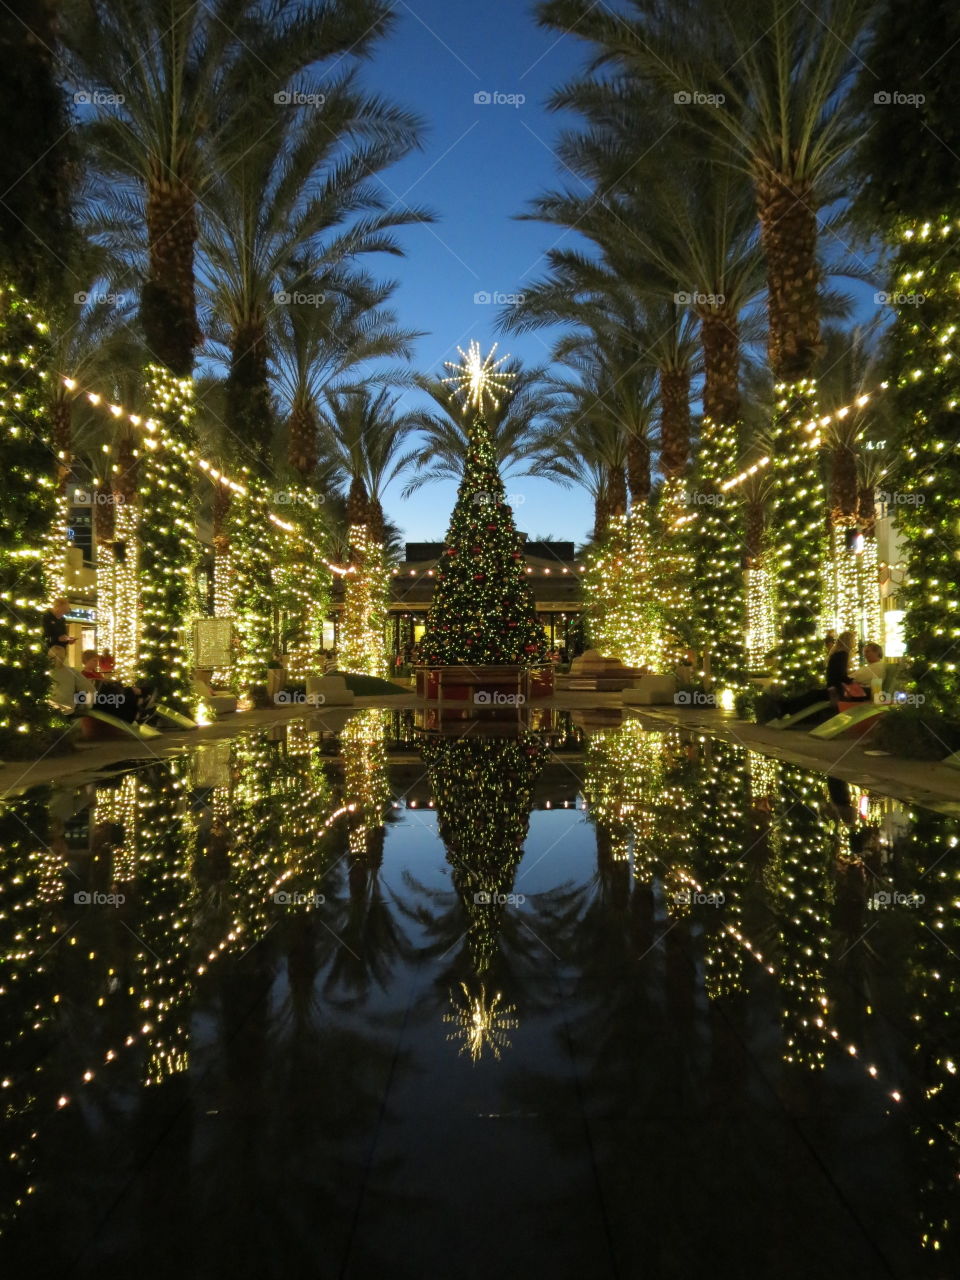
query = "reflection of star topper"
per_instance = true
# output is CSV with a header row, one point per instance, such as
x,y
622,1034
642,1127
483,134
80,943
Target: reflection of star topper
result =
x,y
482,1024
479,376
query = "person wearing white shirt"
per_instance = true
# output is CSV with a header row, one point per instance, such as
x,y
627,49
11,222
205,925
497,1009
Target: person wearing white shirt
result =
x,y
874,668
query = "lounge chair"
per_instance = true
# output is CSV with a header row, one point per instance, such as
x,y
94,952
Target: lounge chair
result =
x,y
144,732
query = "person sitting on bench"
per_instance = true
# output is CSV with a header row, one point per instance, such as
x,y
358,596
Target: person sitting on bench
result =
x,y
841,685
70,692
874,668
75,691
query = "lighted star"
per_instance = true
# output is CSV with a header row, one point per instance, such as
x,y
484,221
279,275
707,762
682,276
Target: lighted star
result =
x,y
482,1024
478,376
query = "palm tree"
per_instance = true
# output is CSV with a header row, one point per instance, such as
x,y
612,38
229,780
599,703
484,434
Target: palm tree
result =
x,y
770,77
172,81
608,314
363,436
317,347
589,453
514,425
34,229
175,79
279,223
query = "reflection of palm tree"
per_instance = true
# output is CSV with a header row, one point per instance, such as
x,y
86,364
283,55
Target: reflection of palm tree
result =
x,y
803,893
366,940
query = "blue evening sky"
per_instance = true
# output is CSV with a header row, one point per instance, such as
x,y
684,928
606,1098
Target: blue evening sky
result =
x,y
480,164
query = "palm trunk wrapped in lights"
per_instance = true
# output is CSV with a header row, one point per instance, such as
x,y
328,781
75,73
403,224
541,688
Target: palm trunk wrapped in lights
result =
x,y
761,633
675,568
366,592
28,511
168,540
719,532
788,230
254,556
925,397
61,416
624,616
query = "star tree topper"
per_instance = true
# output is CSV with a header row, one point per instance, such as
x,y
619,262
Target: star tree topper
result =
x,y
479,376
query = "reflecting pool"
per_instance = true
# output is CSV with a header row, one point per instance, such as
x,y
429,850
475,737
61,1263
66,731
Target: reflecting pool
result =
x,y
573,996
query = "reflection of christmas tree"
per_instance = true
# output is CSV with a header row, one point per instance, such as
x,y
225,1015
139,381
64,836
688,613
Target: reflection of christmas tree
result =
x,y
483,609
483,790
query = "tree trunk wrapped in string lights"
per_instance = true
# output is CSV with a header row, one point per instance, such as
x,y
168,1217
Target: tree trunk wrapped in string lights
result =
x,y
624,616
168,539
717,536
29,507
253,557
366,592
925,400
910,157
797,535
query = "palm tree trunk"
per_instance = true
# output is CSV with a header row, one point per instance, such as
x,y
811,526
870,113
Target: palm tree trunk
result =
x,y
616,491
788,233
248,408
601,516
674,422
302,439
638,470
720,336
844,485
168,298
358,502
754,526
867,510
377,522
61,416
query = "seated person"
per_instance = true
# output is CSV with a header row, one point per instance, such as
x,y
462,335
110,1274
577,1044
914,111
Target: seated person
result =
x,y
70,692
841,685
76,692
874,668
91,666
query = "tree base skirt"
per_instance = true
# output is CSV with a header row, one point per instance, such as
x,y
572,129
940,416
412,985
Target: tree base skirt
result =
x,y
485,686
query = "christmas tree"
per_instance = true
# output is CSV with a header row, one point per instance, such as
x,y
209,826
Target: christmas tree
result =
x,y
483,610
